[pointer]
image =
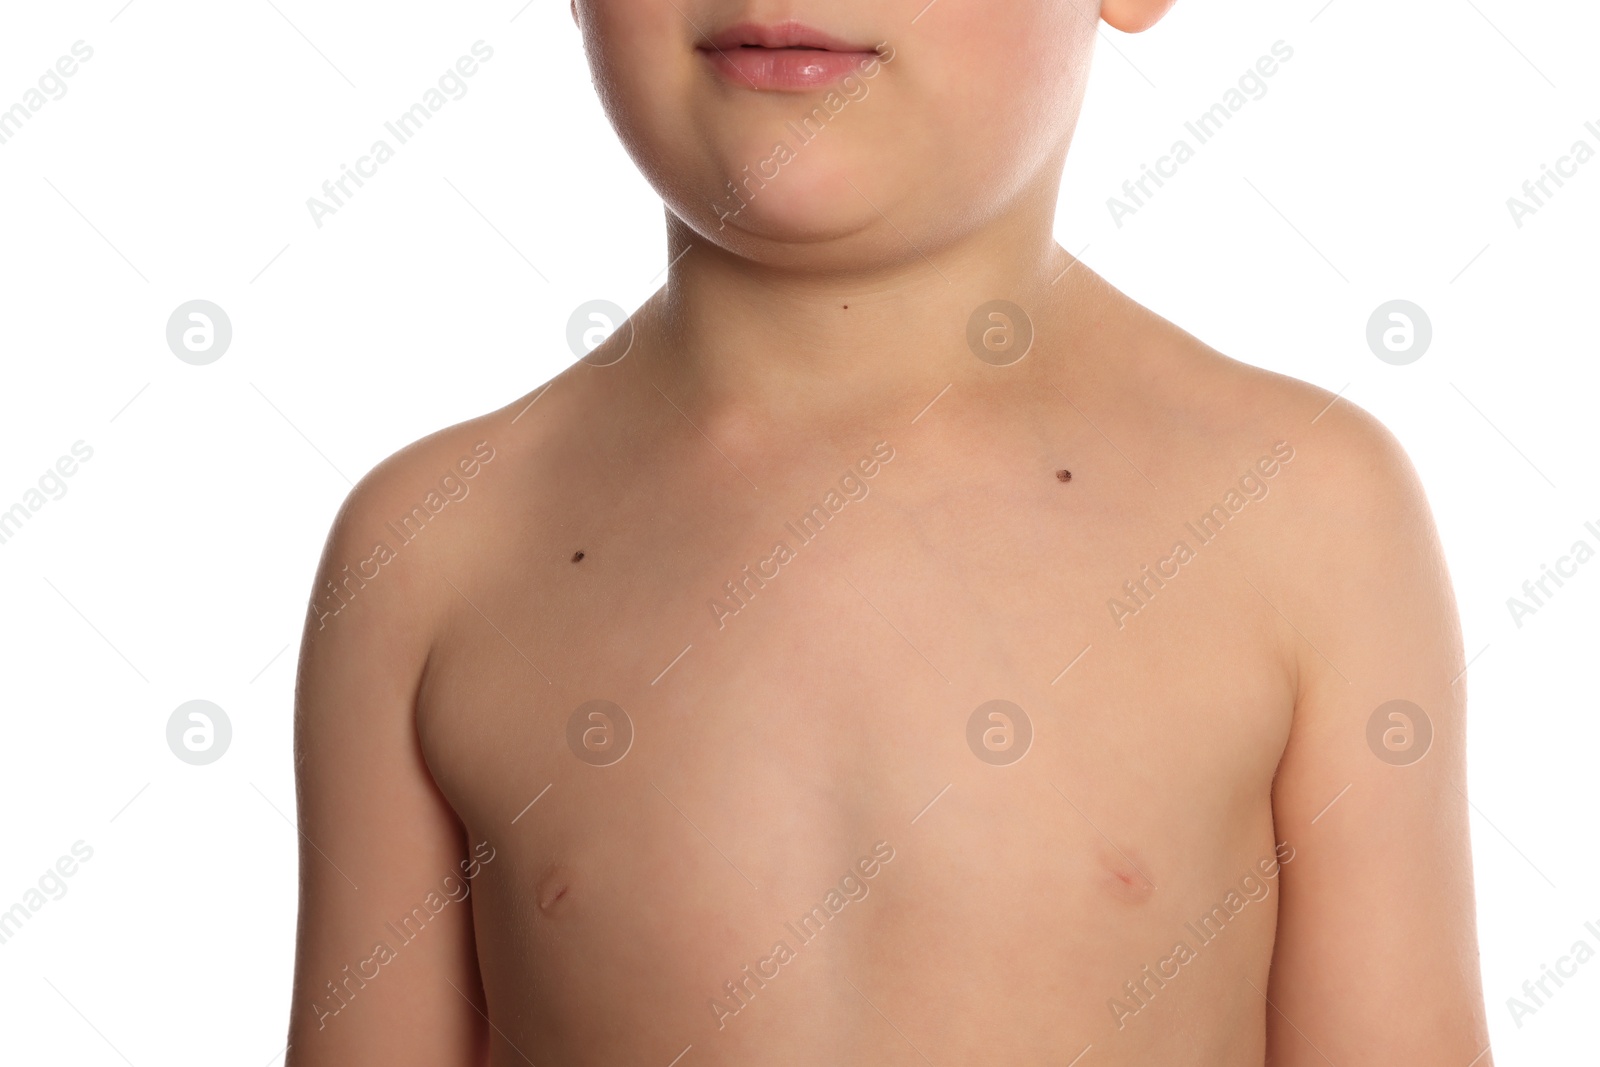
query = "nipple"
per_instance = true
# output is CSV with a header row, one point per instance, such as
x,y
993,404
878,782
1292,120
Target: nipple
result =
x,y
553,887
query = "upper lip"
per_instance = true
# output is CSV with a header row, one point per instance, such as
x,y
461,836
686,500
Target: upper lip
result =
x,y
791,34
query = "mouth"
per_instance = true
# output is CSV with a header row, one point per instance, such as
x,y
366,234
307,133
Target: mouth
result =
x,y
784,57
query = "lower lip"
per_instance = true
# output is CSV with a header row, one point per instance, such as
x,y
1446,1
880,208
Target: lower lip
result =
x,y
786,69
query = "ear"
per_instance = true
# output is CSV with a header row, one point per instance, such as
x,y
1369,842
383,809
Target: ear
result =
x,y
1134,16
575,14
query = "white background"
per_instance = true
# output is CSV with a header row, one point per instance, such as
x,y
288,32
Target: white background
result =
x,y
178,563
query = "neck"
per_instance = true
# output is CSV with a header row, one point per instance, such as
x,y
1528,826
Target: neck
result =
x,y
729,335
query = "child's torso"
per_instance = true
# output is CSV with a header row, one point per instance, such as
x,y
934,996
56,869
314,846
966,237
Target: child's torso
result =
x,y
797,831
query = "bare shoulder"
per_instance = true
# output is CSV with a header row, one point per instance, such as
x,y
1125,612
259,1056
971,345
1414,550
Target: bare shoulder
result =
x,y
412,524
1348,472
1333,523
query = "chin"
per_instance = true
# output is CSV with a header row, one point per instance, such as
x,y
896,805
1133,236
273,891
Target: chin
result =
x,y
793,198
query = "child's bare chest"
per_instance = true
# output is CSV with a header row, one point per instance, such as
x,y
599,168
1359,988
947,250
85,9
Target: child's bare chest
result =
x,y
687,737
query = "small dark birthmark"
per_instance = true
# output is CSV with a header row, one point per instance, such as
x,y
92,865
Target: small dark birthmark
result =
x,y
577,556
1063,476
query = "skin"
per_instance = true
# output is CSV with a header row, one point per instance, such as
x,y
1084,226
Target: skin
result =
x,y
1206,751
